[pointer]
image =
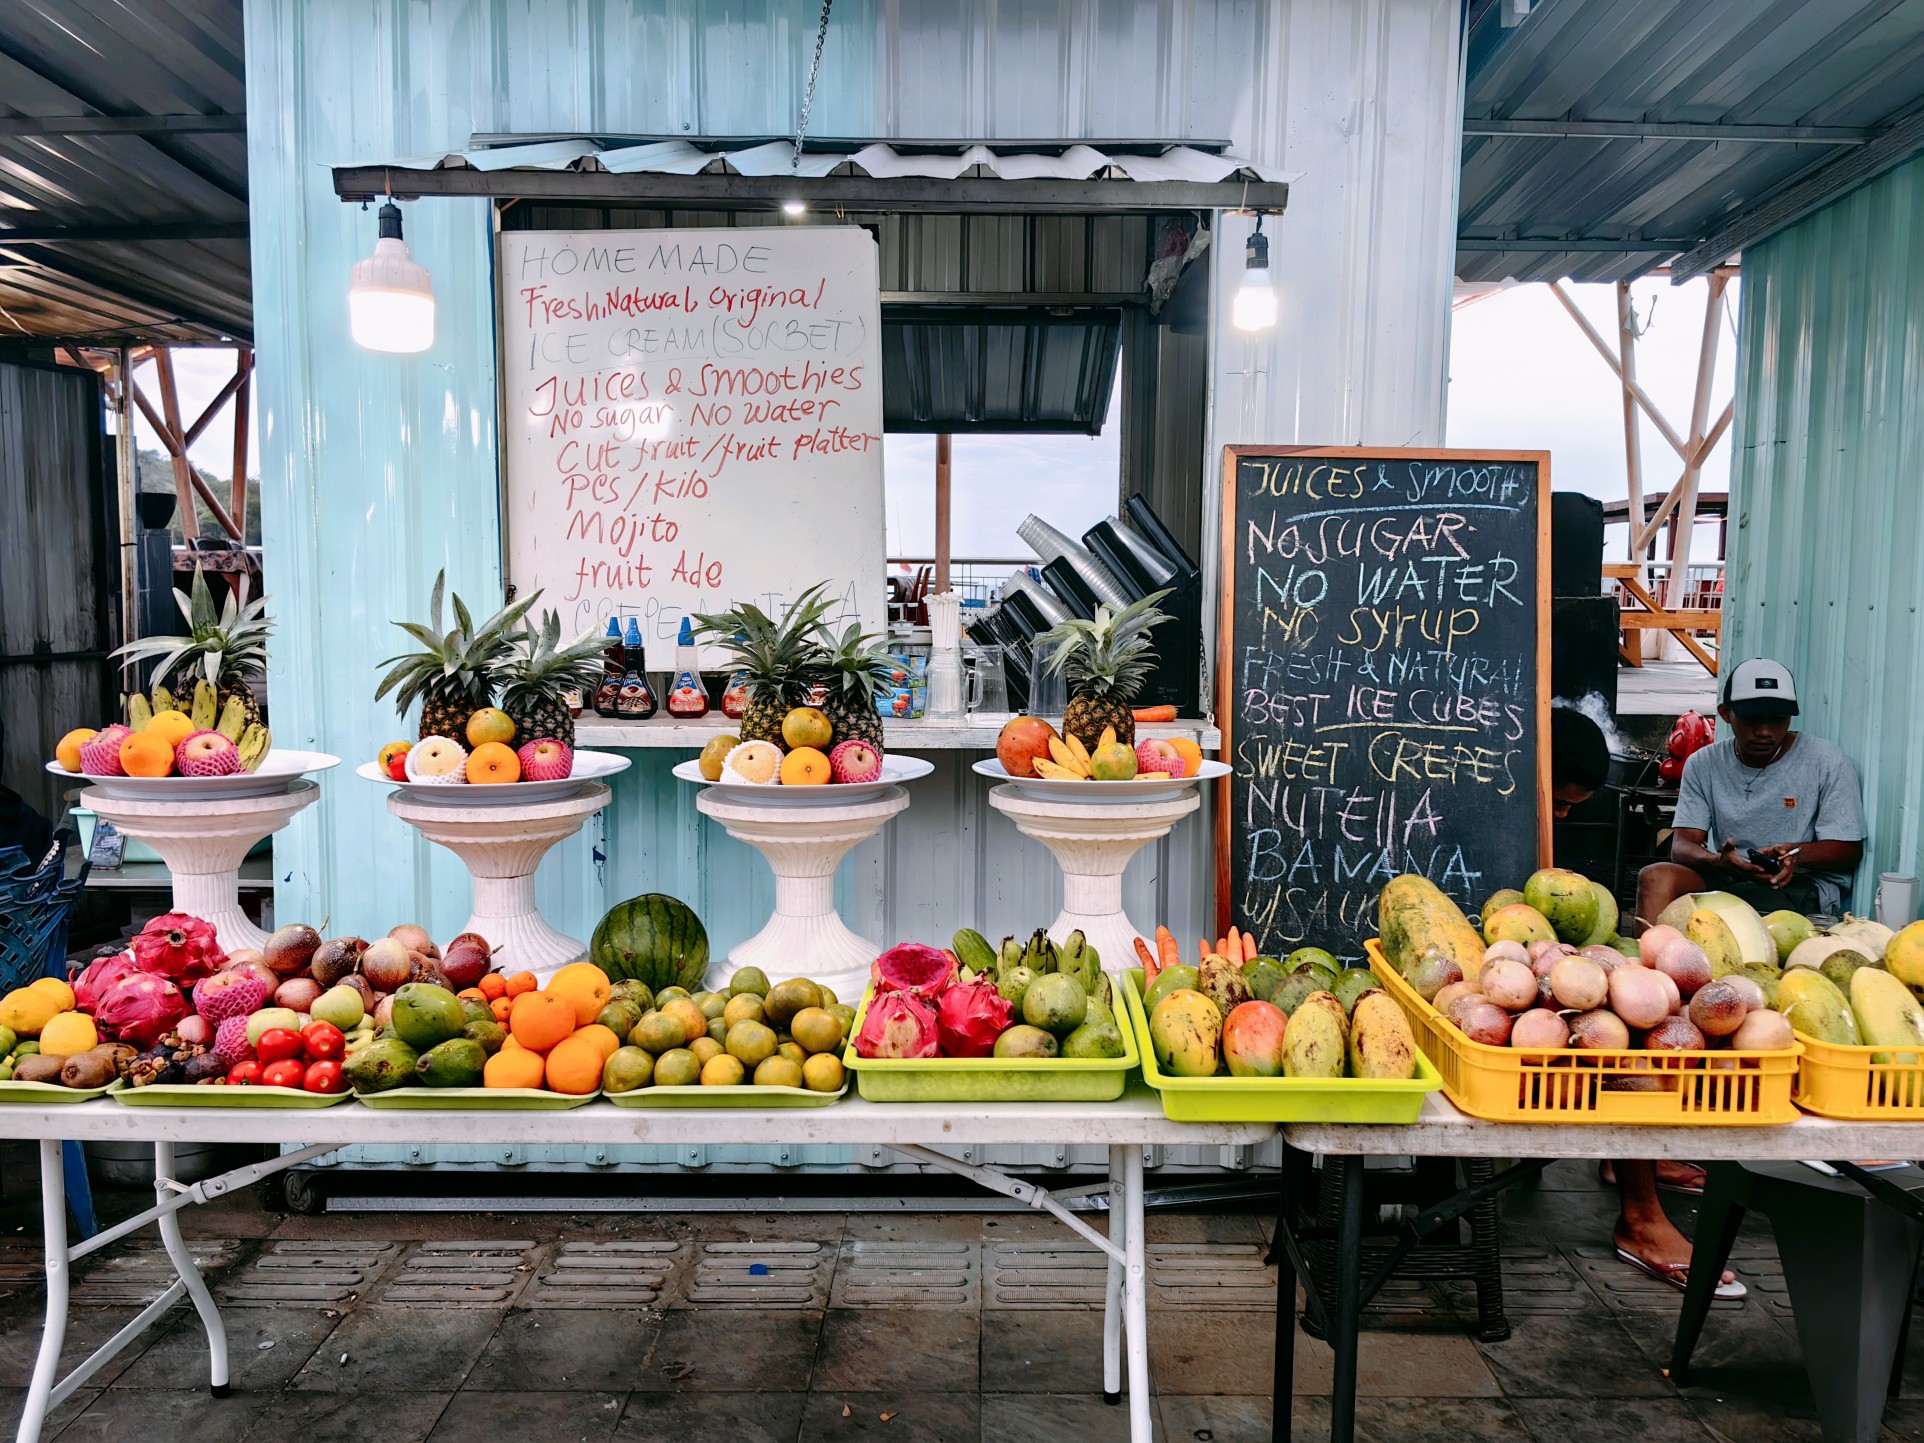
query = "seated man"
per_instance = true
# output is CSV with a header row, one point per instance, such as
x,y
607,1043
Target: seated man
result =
x,y
1789,798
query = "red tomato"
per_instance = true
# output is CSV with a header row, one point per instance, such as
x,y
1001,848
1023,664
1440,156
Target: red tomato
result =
x,y
285,1073
245,1074
278,1044
324,1041
324,1077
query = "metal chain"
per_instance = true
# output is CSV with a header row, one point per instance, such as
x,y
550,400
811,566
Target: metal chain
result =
x,y
808,95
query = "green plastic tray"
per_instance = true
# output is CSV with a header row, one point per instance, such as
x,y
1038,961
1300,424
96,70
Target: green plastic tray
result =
x,y
746,1095
187,1094
1275,1099
39,1094
990,1079
474,1099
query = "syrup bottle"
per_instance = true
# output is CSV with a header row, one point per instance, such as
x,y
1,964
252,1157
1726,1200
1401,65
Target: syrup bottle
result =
x,y
607,698
687,697
637,700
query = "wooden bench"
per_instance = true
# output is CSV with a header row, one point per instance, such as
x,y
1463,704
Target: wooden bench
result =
x,y
1657,617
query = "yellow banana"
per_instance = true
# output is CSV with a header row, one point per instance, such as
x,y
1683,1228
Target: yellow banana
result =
x,y
1074,744
1065,758
1056,773
1107,739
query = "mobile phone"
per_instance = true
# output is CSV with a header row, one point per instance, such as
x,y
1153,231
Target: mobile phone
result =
x,y
1763,859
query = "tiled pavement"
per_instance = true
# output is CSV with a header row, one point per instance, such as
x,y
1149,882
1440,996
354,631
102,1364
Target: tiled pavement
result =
x,y
386,1328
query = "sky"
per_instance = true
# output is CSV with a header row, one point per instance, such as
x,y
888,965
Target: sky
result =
x,y
1521,376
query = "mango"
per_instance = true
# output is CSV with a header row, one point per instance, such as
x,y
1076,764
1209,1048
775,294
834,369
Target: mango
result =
x,y
1170,979
1887,1014
1813,1006
1381,1044
1186,1029
1295,987
381,1066
1788,929
1253,1040
1352,983
1506,897
1519,922
1904,955
1608,915
1841,965
1223,983
1567,901
1316,1042
1710,932
26,1010
1264,975
1414,917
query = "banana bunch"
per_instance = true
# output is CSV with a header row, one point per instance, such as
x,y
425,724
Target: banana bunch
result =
x,y
203,708
1071,762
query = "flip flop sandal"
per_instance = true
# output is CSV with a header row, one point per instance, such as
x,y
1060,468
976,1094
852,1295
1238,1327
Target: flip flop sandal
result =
x,y
1677,1275
1607,1175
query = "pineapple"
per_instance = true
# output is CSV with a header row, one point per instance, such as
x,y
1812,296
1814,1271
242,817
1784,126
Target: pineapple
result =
x,y
852,666
780,659
540,675
225,648
1105,661
454,674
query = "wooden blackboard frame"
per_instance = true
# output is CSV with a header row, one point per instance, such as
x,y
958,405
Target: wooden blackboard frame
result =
x,y
1226,626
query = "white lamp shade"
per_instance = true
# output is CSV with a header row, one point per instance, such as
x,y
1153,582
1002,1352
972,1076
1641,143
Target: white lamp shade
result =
x,y
1254,308
390,301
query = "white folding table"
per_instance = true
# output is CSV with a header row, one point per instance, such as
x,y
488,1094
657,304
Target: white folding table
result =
x,y
914,1130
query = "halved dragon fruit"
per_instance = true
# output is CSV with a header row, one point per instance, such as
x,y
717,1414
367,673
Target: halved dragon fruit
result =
x,y
927,972
969,1018
896,1026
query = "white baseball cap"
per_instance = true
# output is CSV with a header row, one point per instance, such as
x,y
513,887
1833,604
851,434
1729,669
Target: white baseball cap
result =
x,y
1759,688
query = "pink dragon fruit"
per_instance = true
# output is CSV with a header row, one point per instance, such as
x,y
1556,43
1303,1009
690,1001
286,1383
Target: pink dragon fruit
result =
x,y
99,975
178,946
927,972
897,1026
228,994
969,1018
140,1008
230,1041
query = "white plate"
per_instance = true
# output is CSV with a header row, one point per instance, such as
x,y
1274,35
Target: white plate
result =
x,y
589,767
282,768
1164,788
895,771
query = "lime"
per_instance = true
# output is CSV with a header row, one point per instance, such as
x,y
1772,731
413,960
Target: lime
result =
x,y
677,1068
748,980
721,1070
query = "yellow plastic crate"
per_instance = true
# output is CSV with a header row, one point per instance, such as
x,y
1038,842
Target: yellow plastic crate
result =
x,y
1846,1082
1632,1087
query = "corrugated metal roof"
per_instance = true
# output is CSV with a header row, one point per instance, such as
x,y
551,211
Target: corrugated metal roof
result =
x,y
123,161
1633,131
1014,370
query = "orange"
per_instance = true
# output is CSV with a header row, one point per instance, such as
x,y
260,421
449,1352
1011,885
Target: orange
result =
x,y
172,725
603,1038
492,762
804,767
522,982
493,985
1191,754
541,1019
508,1044
501,1007
574,1067
472,994
68,752
490,724
694,1023
147,754
514,1067
585,985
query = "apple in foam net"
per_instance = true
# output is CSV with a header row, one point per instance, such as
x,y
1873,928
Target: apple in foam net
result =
x,y
206,754
854,761
1153,754
546,760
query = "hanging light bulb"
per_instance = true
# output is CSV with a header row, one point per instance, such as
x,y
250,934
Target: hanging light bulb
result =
x,y
1254,308
794,207
390,299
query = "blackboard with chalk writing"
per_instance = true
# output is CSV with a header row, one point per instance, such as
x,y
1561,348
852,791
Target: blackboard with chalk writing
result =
x,y
1382,683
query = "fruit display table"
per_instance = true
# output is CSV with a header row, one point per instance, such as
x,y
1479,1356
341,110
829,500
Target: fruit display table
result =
x,y
203,841
915,1130
1092,843
1443,1131
502,847
803,846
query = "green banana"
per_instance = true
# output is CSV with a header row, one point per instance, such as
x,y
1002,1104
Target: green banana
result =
x,y
1008,959
205,700
163,699
138,712
972,949
1040,955
1079,959
253,745
233,719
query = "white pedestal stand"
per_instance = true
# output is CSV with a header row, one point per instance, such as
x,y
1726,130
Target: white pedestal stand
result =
x,y
203,843
1092,844
502,847
804,845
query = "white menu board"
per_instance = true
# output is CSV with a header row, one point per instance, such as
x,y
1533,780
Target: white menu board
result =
x,y
692,418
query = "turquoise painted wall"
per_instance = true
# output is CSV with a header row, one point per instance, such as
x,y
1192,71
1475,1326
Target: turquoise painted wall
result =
x,y
1827,482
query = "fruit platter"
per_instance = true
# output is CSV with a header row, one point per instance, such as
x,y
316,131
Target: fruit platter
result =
x,y
1056,766
1239,1037
1023,1022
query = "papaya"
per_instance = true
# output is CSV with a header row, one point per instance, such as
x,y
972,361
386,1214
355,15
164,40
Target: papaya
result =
x,y
1887,1014
1414,917
1316,1040
1710,932
1813,1006
1904,955
1381,1044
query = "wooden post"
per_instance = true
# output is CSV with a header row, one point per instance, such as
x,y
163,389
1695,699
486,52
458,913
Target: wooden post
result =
x,y
1676,593
941,513
170,437
1632,430
128,466
244,375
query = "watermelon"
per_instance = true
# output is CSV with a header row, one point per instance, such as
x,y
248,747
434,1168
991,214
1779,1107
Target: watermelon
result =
x,y
655,939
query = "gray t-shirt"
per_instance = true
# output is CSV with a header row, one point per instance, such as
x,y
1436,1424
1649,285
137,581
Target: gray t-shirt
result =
x,y
1809,794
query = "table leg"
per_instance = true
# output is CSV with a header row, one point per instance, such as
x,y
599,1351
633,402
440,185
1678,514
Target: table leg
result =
x,y
1346,1313
1135,1292
53,1212
1112,1293
196,1285
1282,1398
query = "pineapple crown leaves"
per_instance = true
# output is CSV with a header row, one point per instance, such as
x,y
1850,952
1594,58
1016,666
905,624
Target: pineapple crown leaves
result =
x,y
227,646
542,669
772,653
1111,655
460,663
856,659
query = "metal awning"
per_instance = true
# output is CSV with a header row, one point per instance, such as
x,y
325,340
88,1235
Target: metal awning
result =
x,y
757,173
1007,369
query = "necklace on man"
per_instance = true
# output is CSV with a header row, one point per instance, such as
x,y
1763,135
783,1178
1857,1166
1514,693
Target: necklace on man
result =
x,y
1757,773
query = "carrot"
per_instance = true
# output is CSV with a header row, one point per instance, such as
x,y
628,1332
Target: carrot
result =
x,y
1163,713
1148,963
1234,951
1249,946
1168,954
1202,951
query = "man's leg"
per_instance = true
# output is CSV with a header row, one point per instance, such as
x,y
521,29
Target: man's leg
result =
x,y
1643,1228
1660,884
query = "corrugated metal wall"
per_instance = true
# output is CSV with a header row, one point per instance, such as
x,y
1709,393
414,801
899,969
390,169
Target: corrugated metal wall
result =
x,y
59,577
1828,480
